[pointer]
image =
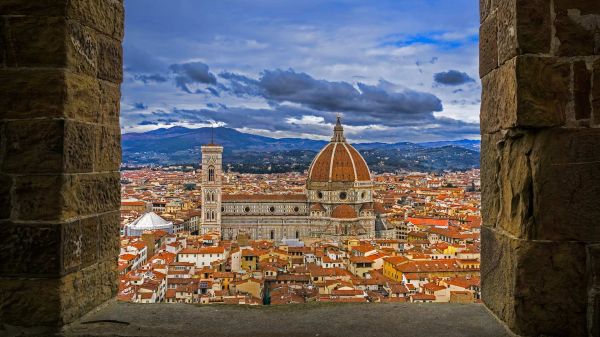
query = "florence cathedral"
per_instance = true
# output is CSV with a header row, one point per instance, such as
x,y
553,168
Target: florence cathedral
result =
x,y
338,201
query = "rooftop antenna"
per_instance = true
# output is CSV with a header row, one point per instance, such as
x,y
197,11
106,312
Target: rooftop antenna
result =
x,y
212,133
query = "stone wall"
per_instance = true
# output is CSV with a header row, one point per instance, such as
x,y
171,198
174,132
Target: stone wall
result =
x,y
60,75
540,164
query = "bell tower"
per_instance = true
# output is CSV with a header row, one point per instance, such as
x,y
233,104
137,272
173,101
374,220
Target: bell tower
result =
x,y
211,182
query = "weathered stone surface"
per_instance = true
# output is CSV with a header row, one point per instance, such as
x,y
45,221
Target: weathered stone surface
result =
x,y
110,60
6,184
106,16
30,302
90,194
516,214
33,146
108,225
523,28
534,104
109,106
37,197
30,34
82,98
520,284
565,166
79,146
108,149
593,313
30,249
508,43
82,49
85,289
499,98
488,45
490,168
577,26
596,93
581,90
79,244
31,93
485,8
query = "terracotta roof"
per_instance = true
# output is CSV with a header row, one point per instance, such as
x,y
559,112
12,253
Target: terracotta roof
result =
x,y
338,161
317,207
344,212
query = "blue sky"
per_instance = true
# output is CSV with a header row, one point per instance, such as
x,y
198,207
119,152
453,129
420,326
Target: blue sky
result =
x,y
398,70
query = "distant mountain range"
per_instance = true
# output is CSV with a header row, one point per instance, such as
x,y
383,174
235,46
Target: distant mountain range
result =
x,y
245,152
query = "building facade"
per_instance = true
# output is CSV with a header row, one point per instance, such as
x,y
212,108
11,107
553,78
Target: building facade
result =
x,y
338,201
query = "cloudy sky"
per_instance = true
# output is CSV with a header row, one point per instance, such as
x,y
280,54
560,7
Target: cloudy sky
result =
x,y
397,70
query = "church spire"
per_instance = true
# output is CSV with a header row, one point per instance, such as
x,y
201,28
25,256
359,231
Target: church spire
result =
x,y
338,131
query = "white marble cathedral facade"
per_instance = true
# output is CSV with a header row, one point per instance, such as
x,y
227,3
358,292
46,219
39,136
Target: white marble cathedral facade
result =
x,y
338,201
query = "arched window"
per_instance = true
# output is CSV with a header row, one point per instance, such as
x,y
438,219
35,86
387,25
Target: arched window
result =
x,y
272,234
211,173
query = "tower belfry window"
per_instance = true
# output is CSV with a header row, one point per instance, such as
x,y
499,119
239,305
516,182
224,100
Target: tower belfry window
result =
x,y
211,173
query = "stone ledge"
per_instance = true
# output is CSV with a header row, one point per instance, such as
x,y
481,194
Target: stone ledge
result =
x,y
314,319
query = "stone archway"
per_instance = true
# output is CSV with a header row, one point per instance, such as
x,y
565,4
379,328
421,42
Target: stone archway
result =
x,y
60,71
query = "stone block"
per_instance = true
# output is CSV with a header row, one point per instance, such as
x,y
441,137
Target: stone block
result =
x,y
90,194
565,165
6,184
582,87
82,49
499,98
30,302
490,168
106,16
79,244
524,27
82,98
109,106
526,91
38,197
539,183
108,149
87,288
109,231
31,93
577,25
488,45
485,8
28,35
49,146
537,288
596,93
110,60
33,146
30,249
79,146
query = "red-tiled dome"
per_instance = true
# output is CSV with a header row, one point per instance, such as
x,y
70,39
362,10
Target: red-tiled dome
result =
x,y
344,212
338,161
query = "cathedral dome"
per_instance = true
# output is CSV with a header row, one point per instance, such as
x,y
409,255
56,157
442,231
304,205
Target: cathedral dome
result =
x,y
338,161
344,212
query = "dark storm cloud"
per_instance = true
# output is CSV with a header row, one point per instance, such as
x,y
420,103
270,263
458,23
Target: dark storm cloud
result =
x,y
148,123
452,77
192,73
150,78
374,101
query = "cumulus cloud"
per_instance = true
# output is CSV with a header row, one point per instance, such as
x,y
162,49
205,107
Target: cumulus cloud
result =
x,y
190,73
452,77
